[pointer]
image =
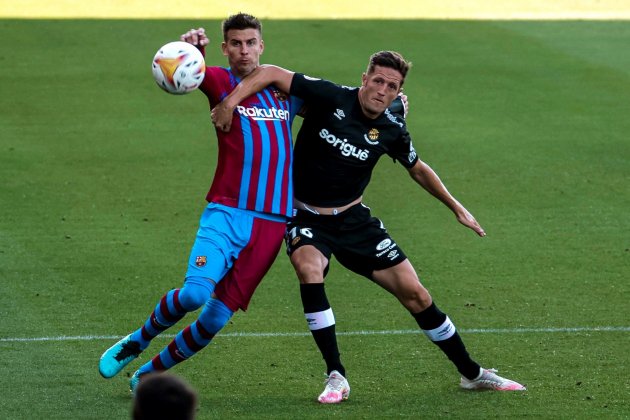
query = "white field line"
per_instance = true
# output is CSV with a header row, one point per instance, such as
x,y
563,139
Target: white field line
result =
x,y
568,330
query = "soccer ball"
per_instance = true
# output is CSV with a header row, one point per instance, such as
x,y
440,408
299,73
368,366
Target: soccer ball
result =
x,y
178,67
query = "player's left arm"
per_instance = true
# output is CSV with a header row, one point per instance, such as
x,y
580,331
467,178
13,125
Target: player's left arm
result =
x,y
426,177
261,77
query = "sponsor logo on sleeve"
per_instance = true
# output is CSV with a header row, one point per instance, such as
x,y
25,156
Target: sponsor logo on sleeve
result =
x,y
412,153
393,118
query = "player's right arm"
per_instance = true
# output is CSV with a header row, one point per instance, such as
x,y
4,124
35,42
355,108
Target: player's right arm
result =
x,y
257,80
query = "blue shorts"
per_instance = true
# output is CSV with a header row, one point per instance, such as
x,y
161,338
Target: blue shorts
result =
x,y
235,248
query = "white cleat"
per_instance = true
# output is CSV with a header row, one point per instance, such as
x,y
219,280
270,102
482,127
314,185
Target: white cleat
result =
x,y
488,379
337,389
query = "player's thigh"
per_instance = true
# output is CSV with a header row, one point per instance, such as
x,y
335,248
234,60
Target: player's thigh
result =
x,y
309,248
222,234
252,264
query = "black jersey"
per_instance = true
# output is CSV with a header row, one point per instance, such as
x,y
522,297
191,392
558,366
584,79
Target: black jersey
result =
x,y
338,146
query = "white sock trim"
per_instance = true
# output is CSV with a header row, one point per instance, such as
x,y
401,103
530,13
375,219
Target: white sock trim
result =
x,y
319,320
441,333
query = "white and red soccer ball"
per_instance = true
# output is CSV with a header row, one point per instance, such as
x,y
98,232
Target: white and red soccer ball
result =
x,y
178,67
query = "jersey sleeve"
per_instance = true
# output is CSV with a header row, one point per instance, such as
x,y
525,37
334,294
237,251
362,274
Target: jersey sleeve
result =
x,y
217,84
316,91
398,108
403,151
297,106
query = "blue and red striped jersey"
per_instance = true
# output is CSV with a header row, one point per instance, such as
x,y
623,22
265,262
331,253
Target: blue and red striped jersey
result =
x,y
255,160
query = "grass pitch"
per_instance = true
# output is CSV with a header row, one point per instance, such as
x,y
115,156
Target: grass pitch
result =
x,y
103,179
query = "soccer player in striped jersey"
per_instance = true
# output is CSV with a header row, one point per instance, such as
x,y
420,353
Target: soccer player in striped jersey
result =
x,y
242,228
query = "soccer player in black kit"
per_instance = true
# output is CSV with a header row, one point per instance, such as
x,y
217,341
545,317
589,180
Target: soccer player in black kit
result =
x,y
344,133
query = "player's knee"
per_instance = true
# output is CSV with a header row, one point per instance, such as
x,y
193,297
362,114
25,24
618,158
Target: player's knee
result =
x,y
215,315
194,294
309,273
416,298
309,268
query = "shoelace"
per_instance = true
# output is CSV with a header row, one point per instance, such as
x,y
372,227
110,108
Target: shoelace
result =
x,y
131,348
492,378
334,383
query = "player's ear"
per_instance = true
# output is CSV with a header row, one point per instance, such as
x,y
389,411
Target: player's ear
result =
x,y
224,48
363,79
262,46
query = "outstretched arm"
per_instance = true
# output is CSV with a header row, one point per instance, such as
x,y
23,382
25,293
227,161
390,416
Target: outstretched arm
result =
x,y
196,37
429,180
257,80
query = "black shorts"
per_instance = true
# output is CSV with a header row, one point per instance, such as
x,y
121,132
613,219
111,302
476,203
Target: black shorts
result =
x,y
359,241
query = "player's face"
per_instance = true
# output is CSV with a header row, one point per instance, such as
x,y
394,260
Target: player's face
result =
x,y
243,49
378,89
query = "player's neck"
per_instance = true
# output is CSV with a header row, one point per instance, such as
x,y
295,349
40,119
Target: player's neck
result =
x,y
242,74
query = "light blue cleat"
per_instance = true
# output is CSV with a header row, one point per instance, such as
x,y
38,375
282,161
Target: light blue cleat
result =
x,y
118,356
134,381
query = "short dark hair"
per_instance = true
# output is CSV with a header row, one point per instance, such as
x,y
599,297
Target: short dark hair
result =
x,y
241,21
390,59
164,396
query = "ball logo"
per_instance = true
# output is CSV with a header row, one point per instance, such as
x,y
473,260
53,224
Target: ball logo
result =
x,y
169,66
383,244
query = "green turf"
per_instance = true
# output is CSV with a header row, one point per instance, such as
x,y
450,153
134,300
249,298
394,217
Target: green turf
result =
x,y
103,180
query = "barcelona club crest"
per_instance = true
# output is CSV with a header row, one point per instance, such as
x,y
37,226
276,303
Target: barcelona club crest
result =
x,y
281,96
201,261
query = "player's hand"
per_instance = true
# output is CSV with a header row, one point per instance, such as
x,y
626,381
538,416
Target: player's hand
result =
x,y
221,116
405,103
467,219
196,37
